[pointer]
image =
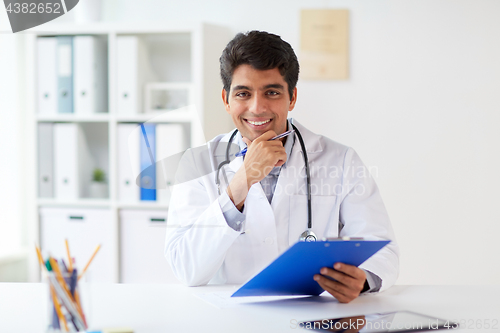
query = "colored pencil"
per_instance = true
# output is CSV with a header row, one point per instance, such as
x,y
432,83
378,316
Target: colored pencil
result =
x,y
60,278
89,262
40,258
70,262
57,306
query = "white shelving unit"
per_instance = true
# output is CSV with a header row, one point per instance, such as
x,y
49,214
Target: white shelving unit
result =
x,y
185,54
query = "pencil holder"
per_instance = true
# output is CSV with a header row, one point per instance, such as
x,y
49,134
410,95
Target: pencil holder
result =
x,y
66,308
66,312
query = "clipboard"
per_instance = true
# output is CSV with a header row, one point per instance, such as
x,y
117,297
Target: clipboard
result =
x,y
292,273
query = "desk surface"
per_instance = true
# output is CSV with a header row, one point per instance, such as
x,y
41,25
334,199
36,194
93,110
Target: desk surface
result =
x,y
176,308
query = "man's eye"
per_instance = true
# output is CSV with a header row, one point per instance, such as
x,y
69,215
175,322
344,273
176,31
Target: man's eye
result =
x,y
241,94
273,93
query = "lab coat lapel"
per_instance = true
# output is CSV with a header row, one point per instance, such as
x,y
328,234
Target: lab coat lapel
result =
x,y
286,186
292,181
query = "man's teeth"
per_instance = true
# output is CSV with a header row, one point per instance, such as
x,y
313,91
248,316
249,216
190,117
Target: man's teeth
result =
x,y
258,122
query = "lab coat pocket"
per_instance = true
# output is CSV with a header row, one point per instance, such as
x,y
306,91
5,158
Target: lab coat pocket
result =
x,y
325,216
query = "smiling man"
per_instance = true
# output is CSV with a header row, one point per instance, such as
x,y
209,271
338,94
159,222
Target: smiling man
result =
x,y
234,219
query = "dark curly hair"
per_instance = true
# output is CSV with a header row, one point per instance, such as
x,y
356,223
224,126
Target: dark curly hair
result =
x,y
262,51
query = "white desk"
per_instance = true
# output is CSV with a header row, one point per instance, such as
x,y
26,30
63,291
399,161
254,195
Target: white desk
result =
x,y
175,308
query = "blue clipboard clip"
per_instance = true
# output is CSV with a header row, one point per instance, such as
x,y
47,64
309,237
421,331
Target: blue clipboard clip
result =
x,y
345,238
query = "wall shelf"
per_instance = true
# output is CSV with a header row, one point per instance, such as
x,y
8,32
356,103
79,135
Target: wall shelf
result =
x,y
96,118
92,203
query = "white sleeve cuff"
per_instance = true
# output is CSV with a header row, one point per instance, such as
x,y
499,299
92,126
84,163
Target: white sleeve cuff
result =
x,y
234,218
374,282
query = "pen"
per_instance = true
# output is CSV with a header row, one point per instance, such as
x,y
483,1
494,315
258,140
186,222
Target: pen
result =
x,y
282,135
72,282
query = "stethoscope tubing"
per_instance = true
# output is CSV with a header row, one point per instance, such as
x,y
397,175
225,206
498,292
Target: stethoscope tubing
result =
x,y
306,162
308,177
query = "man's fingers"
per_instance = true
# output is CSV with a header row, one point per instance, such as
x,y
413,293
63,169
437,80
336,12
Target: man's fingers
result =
x,y
339,276
266,136
355,281
263,142
339,296
272,153
246,141
338,287
266,143
280,163
262,156
350,270
334,289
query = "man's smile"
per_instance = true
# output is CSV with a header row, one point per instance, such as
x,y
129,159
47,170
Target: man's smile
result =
x,y
258,123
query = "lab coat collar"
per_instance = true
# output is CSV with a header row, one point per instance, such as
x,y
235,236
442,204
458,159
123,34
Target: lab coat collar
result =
x,y
311,141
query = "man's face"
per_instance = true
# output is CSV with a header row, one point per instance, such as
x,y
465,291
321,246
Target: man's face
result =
x,y
258,101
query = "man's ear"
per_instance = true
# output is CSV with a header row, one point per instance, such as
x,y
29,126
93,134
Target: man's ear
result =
x,y
293,99
225,100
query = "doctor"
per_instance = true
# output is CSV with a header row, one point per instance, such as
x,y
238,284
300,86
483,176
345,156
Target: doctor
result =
x,y
227,232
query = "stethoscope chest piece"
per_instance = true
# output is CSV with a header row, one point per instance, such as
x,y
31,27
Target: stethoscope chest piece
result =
x,y
308,236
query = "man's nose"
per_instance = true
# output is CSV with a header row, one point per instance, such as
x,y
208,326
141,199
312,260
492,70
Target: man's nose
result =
x,y
258,104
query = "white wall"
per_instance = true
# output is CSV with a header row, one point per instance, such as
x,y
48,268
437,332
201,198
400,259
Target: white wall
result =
x,y
422,105
11,143
13,165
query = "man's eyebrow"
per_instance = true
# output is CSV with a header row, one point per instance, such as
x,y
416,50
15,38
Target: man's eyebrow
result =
x,y
272,85
240,87
275,86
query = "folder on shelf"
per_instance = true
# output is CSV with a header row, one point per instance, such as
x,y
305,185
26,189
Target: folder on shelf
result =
x,y
129,136
72,161
90,75
65,74
131,73
170,140
45,160
292,273
147,180
47,75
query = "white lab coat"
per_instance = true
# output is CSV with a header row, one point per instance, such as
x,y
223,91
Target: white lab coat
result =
x,y
202,248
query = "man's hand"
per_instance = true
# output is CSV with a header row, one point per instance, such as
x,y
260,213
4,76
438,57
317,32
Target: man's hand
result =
x,y
261,157
348,284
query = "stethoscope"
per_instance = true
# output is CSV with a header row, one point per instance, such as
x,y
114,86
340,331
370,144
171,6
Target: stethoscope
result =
x,y
306,236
